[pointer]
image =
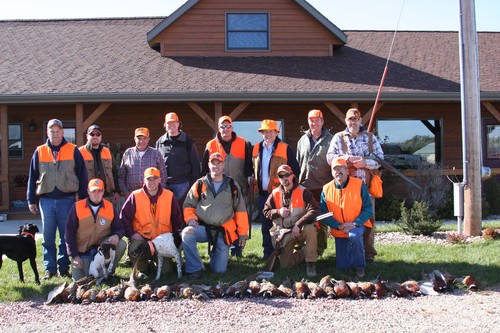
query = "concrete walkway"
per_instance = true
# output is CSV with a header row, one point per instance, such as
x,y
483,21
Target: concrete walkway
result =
x,y
11,227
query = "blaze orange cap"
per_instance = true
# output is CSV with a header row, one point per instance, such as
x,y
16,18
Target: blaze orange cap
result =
x,y
339,161
315,114
352,113
172,116
141,131
96,184
268,125
225,118
151,172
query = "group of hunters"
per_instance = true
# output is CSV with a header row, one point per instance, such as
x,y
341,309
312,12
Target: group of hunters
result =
x,y
77,191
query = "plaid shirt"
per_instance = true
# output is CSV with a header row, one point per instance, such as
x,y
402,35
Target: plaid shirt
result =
x,y
131,172
357,145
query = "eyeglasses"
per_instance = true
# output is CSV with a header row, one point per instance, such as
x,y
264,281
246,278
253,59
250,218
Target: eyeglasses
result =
x,y
95,134
225,126
354,119
284,175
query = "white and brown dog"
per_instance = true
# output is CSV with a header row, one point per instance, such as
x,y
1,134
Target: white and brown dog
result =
x,y
163,246
102,264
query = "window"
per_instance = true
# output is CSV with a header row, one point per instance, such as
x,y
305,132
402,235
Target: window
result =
x,y
247,32
408,144
491,143
248,129
16,143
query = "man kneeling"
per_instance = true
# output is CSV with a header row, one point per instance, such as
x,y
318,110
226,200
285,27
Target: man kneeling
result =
x,y
293,211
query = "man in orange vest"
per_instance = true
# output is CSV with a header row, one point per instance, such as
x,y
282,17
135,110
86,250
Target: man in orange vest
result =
x,y
237,161
348,198
267,156
149,212
91,222
293,210
58,176
99,163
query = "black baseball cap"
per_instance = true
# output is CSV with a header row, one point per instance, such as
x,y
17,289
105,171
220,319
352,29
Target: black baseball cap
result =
x,y
94,128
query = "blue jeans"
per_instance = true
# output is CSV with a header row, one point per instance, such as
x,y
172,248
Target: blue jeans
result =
x,y
54,213
218,258
180,190
350,252
266,225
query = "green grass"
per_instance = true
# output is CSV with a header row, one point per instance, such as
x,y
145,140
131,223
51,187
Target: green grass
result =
x,y
396,262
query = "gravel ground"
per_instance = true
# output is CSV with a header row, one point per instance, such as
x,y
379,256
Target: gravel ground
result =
x,y
460,311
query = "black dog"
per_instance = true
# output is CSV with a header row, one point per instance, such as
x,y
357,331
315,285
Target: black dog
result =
x,y
20,248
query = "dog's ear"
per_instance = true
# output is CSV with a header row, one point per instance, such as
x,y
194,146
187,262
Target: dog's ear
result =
x,y
112,246
21,229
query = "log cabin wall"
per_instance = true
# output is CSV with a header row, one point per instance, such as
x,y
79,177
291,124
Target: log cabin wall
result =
x,y
201,30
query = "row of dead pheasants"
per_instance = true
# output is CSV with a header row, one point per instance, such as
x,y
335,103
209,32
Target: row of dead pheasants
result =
x,y
432,283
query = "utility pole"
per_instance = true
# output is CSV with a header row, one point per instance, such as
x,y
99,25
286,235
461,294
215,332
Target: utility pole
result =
x,y
471,119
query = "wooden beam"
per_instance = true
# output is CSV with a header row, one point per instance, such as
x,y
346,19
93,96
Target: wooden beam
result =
x,y
336,111
4,147
79,124
494,112
203,115
218,110
238,110
96,114
366,118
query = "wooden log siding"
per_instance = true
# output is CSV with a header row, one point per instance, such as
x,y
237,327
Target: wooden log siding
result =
x,y
201,30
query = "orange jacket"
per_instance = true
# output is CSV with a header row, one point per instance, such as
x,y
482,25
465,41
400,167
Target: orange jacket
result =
x,y
92,231
150,221
345,203
234,162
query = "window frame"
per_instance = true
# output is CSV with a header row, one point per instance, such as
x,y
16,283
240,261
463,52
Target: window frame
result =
x,y
487,161
248,49
21,139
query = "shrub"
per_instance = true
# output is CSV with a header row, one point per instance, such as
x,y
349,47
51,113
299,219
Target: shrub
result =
x,y
417,220
492,195
388,208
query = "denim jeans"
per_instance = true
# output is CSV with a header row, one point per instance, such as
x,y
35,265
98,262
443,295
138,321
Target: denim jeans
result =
x,y
350,252
218,258
180,190
54,213
266,225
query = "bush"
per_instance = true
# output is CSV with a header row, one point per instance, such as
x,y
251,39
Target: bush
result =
x,y
492,195
388,208
417,220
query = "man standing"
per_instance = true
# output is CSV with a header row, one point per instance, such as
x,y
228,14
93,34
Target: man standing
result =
x,y
214,212
347,197
90,223
314,168
99,162
58,176
237,160
180,157
149,212
293,210
136,160
267,156
356,145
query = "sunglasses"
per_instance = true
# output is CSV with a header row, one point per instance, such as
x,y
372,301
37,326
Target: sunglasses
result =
x,y
225,126
95,134
284,175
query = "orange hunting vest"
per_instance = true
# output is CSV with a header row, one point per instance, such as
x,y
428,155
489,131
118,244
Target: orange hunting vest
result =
x,y
150,225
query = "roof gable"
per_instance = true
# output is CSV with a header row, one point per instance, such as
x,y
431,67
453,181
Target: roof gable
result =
x,y
154,36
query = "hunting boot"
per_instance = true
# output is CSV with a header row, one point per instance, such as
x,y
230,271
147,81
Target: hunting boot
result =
x,y
310,269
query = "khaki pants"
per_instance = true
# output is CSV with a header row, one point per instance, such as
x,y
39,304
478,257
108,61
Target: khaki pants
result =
x,y
369,236
324,230
290,257
143,266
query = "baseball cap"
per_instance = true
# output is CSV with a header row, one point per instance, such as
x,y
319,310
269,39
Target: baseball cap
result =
x,y
94,128
96,184
172,116
225,118
352,113
142,131
53,122
285,168
151,172
339,161
216,156
315,114
268,125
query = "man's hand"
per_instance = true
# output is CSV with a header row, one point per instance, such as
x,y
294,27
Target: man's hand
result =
x,y
77,262
295,231
113,240
136,236
33,208
284,212
192,223
348,226
358,162
116,198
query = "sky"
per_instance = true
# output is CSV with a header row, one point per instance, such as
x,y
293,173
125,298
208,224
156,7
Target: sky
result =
x,y
345,14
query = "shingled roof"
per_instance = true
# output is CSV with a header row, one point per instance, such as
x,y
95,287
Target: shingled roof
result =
x,y
110,60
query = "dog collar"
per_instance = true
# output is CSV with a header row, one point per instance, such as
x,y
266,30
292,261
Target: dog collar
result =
x,y
28,233
152,248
